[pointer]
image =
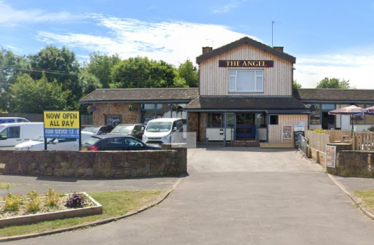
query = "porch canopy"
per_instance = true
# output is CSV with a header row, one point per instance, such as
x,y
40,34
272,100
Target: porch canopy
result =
x,y
278,105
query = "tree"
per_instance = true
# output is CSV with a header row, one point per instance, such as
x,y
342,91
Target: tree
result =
x,y
33,96
101,65
88,81
144,73
11,65
296,85
187,71
59,65
333,83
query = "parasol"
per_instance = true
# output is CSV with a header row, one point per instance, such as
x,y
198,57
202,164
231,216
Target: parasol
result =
x,y
349,110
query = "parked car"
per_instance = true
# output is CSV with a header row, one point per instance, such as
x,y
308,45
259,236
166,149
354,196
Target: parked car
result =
x,y
104,129
12,134
164,130
135,130
61,144
13,120
115,142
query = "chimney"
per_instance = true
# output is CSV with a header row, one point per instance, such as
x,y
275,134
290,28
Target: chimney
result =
x,y
207,50
279,49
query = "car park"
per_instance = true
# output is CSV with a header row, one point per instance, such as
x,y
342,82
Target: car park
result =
x,y
164,130
62,144
13,120
104,129
115,142
135,130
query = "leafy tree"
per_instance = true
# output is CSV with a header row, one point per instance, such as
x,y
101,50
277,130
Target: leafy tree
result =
x,y
296,85
88,81
59,65
333,83
187,71
10,66
33,96
144,73
101,65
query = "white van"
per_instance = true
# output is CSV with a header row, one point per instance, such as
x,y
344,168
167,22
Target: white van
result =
x,y
13,120
12,134
60,144
164,130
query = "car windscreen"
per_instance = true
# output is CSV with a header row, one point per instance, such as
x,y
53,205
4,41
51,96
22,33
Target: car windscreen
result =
x,y
123,129
91,129
158,126
1,128
91,141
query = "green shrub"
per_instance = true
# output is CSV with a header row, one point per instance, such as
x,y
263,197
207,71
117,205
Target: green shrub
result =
x,y
33,204
12,202
371,128
52,198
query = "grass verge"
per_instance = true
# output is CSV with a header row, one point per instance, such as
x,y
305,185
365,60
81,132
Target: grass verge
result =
x,y
4,185
115,204
366,197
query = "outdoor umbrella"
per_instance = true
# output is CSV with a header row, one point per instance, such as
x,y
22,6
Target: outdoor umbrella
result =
x,y
370,110
349,110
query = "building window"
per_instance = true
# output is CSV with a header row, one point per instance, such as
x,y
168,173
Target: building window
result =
x,y
215,120
246,81
315,114
273,119
113,120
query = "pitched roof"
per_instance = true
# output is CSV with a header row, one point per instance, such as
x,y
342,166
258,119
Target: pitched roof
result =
x,y
329,94
240,42
247,103
140,94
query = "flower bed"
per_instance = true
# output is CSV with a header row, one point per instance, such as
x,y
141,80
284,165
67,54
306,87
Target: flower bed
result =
x,y
27,213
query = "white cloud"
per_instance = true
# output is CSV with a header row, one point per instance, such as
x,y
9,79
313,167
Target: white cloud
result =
x,y
228,7
358,69
11,17
171,41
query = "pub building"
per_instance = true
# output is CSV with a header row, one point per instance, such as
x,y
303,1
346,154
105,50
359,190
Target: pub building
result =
x,y
245,97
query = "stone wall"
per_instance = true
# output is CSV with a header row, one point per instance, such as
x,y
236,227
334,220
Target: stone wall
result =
x,y
113,109
354,164
105,164
320,156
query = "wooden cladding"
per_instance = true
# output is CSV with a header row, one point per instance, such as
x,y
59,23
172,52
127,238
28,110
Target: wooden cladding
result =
x,y
246,63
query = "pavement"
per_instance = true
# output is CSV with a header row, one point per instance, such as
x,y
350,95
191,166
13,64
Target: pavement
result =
x,y
235,196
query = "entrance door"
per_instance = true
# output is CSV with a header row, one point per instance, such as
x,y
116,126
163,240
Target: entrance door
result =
x,y
245,126
328,121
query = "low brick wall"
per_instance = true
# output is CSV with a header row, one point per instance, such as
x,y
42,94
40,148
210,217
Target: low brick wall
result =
x,y
354,164
104,164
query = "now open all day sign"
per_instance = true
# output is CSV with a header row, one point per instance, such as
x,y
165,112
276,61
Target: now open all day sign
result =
x,y
61,124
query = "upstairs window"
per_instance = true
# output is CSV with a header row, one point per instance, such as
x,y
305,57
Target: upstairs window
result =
x,y
246,81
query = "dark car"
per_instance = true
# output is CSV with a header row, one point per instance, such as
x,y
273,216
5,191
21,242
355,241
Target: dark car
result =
x,y
115,143
136,130
98,129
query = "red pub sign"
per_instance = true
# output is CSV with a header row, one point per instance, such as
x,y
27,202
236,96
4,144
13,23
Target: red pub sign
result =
x,y
246,63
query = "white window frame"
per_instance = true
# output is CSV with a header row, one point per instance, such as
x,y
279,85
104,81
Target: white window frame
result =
x,y
255,81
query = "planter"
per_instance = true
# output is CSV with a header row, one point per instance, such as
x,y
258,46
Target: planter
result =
x,y
34,218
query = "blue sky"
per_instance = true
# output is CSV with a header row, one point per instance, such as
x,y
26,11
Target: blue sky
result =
x,y
329,38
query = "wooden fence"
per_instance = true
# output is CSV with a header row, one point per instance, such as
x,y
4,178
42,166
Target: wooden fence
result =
x,y
318,141
363,141
338,135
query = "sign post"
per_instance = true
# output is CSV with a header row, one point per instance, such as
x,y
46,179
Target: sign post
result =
x,y
62,124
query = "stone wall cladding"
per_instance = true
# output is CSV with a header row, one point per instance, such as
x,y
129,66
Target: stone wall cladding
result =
x,y
115,109
195,126
354,164
105,164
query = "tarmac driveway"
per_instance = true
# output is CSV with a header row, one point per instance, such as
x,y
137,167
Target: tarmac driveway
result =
x,y
241,196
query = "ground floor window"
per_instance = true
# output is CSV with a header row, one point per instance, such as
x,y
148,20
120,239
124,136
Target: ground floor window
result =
x,y
162,110
113,120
